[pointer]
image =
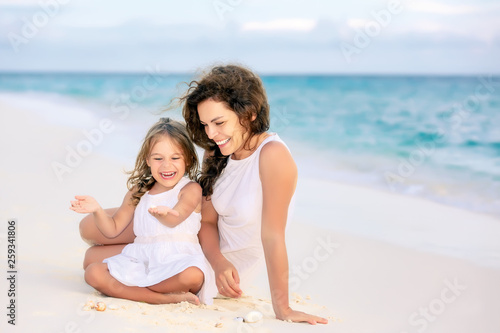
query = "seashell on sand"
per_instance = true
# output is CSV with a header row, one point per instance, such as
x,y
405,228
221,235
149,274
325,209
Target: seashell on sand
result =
x,y
219,325
100,306
90,304
253,317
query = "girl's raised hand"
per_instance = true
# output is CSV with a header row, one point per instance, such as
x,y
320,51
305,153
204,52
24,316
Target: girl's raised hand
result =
x,y
84,204
162,211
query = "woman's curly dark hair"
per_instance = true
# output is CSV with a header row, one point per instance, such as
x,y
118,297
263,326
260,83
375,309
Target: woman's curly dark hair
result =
x,y
241,91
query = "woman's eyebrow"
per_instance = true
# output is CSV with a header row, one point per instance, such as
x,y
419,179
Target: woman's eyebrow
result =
x,y
215,119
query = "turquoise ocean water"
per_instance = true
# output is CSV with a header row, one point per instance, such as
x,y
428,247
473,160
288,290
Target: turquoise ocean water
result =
x,y
434,137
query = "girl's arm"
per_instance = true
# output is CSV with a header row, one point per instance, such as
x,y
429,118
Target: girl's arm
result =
x,y
226,275
278,174
109,226
189,201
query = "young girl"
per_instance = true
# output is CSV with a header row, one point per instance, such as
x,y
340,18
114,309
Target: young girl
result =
x,y
165,264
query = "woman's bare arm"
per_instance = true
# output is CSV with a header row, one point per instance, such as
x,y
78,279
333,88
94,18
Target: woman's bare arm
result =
x,y
226,275
278,174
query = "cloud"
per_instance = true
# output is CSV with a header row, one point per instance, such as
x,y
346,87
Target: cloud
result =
x,y
30,3
281,25
273,39
444,9
357,22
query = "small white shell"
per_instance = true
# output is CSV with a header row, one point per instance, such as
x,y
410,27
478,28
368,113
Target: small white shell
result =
x,y
253,317
113,307
100,306
152,206
87,307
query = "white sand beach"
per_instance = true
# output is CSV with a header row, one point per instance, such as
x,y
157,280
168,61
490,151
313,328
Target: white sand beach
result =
x,y
360,284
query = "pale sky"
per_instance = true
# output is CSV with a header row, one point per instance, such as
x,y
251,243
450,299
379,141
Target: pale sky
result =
x,y
314,36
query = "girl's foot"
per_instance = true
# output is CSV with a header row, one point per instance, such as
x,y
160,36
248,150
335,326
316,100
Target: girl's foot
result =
x,y
182,297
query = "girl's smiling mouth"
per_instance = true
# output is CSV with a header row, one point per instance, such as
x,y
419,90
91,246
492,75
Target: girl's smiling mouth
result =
x,y
167,175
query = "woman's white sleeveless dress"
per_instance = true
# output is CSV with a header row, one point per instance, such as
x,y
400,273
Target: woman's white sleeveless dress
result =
x,y
160,252
237,198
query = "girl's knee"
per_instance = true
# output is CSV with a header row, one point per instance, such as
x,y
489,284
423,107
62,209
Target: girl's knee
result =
x,y
93,274
87,232
90,256
193,277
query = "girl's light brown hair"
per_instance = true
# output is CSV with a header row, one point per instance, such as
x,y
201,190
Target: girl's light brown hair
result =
x,y
141,180
243,92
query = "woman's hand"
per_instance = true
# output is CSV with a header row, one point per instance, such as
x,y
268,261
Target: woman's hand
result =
x,y
84,204
162,211
298,317
227,279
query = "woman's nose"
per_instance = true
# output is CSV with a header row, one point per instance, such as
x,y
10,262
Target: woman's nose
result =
x,y
211,132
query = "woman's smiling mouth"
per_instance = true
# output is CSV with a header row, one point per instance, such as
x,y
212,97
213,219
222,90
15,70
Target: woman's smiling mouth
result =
x,y
223,142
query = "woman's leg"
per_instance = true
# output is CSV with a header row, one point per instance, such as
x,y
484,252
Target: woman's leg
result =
x,y
93,236
97,253
110,246
97,275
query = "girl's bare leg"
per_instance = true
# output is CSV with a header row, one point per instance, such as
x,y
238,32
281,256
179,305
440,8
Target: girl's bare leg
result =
x,y
189,280
93,236
97,275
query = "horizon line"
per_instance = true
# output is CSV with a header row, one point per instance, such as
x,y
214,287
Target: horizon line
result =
x,y
261,73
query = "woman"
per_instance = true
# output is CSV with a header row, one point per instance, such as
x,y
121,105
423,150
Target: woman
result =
x,y
248,181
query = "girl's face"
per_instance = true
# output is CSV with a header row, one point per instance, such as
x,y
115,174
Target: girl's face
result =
x,y
222,125
166,162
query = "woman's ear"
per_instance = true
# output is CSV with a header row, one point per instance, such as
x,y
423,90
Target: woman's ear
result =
x,y
254,116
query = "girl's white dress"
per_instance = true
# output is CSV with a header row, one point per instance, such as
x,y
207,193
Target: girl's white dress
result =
x,y
237,198
160,252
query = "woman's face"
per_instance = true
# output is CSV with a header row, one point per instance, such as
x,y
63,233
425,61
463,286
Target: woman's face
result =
x,y
222,125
